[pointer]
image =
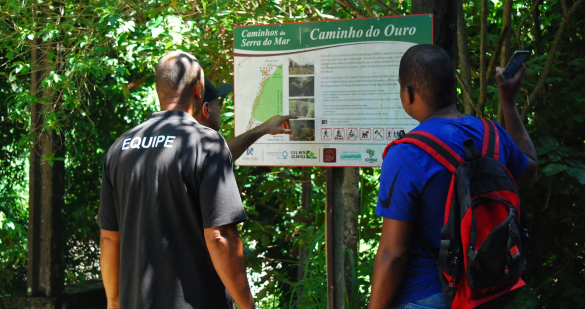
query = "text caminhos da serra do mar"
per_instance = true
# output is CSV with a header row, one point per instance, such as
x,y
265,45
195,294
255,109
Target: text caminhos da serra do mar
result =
x,y
316,34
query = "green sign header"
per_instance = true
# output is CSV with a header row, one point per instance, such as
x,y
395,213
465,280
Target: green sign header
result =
x,y
415,29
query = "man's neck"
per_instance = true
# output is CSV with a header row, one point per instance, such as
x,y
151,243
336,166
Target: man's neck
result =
x,y
174,106
445,112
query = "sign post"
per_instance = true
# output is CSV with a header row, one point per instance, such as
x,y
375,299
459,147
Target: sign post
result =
x,y
341,79
329,239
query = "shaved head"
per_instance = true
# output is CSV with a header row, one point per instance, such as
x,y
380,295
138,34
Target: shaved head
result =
x,y
429,70
176,76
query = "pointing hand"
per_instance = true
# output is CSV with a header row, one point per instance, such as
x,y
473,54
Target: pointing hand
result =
x,y
278,125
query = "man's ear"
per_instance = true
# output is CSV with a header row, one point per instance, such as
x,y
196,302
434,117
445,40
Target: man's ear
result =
x,y
410,93
205,110
197,90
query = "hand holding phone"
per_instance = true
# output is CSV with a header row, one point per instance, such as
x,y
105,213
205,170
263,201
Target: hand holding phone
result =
x,y
515,63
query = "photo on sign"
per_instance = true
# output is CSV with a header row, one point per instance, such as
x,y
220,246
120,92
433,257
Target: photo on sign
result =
x,y
302,108
304,130
302,86
295,68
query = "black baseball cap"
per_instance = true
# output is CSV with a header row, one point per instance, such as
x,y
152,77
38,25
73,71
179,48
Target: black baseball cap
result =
x,y
212,92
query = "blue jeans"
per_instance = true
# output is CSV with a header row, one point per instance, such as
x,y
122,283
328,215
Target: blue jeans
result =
x,y
436,301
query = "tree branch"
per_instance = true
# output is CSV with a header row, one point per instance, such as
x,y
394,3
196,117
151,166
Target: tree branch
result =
x,y
524,19
550,59
368,8
464,60
482,59
505,50
350,6
466,93
321,15
556,273
491,68
564,5
391,9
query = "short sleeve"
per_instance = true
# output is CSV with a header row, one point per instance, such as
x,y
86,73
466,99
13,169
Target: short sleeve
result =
x,y
107,216
516,161
218,191
401,182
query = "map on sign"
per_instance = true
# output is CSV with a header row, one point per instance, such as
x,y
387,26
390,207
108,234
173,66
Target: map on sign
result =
x,y
268,100
339,79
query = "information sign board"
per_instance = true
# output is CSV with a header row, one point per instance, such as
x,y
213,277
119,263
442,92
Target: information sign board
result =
x,y
339,77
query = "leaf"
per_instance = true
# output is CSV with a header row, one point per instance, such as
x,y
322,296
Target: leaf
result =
x,y
577,173
50,56
576,163
554,156
544,150
552,169
157,31
570,152
547,140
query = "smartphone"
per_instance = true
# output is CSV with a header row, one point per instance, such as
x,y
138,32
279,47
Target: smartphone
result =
x,y
515,63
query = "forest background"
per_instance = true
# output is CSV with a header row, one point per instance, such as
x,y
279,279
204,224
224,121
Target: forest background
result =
x,y
103,53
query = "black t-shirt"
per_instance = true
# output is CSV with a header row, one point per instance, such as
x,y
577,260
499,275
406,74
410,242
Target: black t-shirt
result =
x,y
163,182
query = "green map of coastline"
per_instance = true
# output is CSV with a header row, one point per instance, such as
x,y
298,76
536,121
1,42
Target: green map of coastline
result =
x,y
268,101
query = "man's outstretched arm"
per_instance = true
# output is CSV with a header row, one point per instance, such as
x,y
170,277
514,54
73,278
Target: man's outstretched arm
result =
x,y
227,254
275,125
110,264
390,262
509,89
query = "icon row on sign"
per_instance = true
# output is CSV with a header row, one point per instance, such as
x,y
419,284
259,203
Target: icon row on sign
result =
x,y
363,134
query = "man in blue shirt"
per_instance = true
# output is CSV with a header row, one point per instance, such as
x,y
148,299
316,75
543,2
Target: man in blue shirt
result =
x,y
414,185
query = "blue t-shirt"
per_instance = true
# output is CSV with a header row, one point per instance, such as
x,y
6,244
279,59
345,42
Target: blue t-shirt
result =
x,y
420,184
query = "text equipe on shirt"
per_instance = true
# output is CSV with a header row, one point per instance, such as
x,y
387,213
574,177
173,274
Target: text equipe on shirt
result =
x,y
148,142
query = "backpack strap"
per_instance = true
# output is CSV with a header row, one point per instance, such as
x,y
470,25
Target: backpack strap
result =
x,y
491,140
433,146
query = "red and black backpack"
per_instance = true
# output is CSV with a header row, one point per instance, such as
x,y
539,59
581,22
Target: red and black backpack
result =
x,y
482,255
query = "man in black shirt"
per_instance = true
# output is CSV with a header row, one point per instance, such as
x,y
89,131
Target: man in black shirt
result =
x,y
170,204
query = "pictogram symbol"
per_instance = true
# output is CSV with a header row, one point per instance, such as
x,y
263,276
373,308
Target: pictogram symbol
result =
x,y
378,134
326,134
352,134
338,134
365,134
394,133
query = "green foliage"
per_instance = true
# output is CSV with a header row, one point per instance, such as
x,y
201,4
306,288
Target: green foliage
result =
x,y
102,83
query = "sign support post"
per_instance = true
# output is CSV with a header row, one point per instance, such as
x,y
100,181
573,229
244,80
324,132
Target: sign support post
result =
x,y
329,239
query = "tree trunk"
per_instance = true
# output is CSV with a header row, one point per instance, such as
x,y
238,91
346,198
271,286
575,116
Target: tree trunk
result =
x,y
483,59
464,59
506,51
307,188
45,266
342,232
444,22
351,209
536,29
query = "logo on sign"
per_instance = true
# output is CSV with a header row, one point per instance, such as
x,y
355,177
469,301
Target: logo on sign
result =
x,y
284,154
329,155
250,151
311,155
371,153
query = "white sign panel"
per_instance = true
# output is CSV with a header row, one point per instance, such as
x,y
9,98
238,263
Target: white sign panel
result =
x,y
339,77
